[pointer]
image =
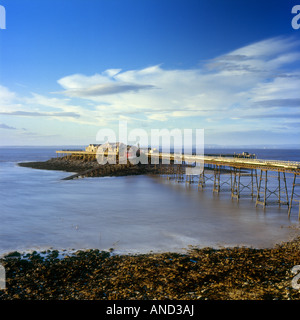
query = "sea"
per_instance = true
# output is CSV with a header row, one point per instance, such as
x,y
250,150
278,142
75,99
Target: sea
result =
x,y
131,214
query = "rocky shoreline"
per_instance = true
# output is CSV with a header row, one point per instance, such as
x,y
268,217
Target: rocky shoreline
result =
x,y
94,169
91,168
200,274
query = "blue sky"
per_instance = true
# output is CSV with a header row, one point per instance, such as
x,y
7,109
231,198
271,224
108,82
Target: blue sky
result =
x,y
71,67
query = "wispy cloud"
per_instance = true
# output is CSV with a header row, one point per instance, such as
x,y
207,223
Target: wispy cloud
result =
x,y
41,114
252,76
6,95
105,89
272,115
5,126
277,103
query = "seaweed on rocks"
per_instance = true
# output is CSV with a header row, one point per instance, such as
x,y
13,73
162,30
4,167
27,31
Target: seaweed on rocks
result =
x,y
90,168
215,274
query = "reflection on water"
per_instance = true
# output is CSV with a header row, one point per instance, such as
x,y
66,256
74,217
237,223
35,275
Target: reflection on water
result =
x,y
130,214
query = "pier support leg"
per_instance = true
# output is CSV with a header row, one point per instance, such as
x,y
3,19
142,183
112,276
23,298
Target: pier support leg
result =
x,y
266,196
189,178
217,174
201,181
253,183
282,190
235,187
293,194
258,198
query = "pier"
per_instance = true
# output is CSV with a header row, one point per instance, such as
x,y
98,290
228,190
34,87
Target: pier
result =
x,y
268,182
264,181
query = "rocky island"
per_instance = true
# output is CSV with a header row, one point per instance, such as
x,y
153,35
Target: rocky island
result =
x,y
90,168
84,163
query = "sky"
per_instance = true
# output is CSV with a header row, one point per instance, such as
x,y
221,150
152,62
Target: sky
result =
x,y
69,68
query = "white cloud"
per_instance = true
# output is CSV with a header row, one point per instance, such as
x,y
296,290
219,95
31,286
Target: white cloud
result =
x,y
268,48
225,85
6,95
78,81
8,99
228,93
277,88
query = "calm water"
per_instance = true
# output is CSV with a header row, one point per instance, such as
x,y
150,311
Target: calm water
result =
x,y
131,214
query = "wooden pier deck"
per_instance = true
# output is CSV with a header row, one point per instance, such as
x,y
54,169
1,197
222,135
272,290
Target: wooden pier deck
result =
x,y
246,163
221,160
